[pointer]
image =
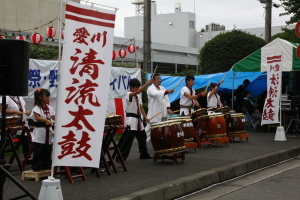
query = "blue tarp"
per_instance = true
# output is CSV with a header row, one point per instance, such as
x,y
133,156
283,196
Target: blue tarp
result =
x,y
257,86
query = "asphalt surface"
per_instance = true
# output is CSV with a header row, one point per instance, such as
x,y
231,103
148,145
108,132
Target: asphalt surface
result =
x,y
279,181
146,179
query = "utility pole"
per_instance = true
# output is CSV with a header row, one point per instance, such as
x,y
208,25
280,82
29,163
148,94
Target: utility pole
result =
x,y
268,22
147,35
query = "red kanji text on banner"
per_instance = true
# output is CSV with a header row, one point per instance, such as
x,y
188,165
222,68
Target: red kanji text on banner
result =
x,y
271,109
83,90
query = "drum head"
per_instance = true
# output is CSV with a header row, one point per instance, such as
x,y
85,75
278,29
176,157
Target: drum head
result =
x,y
237,115
211,115
179,118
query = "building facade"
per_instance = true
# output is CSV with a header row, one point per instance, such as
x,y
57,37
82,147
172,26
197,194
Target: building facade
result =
x,y
176,28
30,16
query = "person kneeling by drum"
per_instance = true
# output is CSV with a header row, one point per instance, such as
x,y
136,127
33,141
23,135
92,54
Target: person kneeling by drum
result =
x,y
188,97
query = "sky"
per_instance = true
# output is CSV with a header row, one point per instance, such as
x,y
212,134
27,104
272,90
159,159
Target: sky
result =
x,y
231,13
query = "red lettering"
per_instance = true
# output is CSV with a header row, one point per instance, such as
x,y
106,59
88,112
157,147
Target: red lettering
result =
x,y
98,36
83,146
67,145
84,91
269,103
80,116
81,34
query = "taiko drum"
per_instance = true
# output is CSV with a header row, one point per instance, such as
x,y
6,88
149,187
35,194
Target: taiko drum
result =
x,y
236,124
216,127
187,127
224,110
198,113
115,120
12,122
167,137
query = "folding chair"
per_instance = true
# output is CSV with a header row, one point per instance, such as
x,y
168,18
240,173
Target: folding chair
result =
x,y
249,120
297,122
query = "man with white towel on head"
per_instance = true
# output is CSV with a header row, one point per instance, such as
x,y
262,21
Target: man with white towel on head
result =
x,y
158,102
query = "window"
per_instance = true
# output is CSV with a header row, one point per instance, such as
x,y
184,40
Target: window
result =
x,y
192,24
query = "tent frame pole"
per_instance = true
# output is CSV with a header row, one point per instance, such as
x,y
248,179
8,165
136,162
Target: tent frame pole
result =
x,y
232,91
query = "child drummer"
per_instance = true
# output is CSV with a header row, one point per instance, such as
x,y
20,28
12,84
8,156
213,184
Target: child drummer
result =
x,y
133,121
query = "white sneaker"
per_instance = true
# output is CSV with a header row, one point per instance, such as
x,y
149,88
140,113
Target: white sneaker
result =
x,y
255,125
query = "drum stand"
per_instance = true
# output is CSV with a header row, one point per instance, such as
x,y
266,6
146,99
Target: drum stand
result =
x,y
4,168
201,134
171,156
191,145
67,172
220,140
109,144
15,147
115,147
241,136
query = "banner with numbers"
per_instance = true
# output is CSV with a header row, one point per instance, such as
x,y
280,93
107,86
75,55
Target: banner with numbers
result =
x,y
83,89
271,109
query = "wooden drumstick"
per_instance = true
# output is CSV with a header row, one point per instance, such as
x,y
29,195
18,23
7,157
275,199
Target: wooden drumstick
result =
x,y
178,84
154,72
224,76
155,115
176,111
207,86
51,124
110,114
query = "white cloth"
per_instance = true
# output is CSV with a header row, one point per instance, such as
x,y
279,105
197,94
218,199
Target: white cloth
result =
x,y
131,107
12,106
185,101
157,102
212,102
39,133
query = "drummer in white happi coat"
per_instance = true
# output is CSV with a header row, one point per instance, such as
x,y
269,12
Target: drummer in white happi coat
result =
x,y
213,99
188,97
158,100
15,107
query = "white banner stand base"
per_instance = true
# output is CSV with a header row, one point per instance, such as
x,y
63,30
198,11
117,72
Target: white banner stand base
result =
x,y
280,134
51,190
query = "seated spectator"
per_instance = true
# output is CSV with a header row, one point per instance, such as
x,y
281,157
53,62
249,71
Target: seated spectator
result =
x,y
249,105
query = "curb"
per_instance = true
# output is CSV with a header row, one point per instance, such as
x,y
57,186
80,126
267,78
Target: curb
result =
x,y
195,182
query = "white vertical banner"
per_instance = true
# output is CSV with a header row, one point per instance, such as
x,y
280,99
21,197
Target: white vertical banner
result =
x,y
84,85
271,109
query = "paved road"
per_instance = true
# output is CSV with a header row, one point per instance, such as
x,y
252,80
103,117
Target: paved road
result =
x,y
144,177
278,182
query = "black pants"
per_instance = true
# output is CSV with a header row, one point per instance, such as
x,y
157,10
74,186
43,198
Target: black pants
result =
x,y
25,144
126,144
41,157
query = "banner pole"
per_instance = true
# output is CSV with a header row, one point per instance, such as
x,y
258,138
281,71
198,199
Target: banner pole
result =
x,y
59,66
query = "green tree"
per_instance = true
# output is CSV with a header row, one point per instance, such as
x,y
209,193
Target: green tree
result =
x,y
185,72
224,50
288,34
43,52
292,7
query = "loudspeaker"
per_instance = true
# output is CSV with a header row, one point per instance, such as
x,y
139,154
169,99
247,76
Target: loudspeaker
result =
x,y
294,82
14,66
